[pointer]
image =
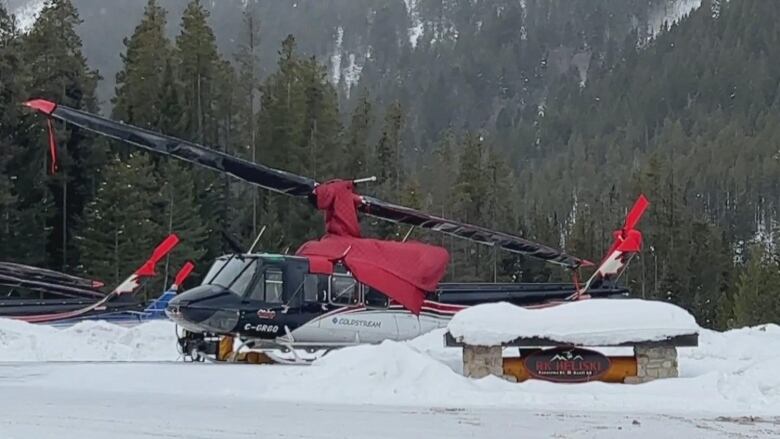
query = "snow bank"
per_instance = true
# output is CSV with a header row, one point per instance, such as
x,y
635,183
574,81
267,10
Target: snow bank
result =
x,y
87,341
588,322
732,373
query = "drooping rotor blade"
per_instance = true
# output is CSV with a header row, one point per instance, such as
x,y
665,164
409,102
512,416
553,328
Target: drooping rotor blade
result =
x,y
292,184
263,176
404,215
49,276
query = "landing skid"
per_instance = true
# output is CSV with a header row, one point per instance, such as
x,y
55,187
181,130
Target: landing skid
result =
x,y
203,347
285,350
196,348
298,357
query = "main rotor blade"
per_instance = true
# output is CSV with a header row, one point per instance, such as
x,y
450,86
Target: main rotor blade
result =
x,y
636,212
269,178
292,184
404,215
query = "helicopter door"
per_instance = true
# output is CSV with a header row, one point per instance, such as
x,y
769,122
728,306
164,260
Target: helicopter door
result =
x,y
355,323
408,324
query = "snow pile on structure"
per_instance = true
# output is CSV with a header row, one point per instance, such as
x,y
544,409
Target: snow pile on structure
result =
x,y
87,341
587,322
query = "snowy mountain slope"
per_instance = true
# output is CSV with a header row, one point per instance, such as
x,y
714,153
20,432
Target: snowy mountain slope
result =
x,y
347,38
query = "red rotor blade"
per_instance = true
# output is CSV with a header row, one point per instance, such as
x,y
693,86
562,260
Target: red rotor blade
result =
x,y
636,212
163,249
185,271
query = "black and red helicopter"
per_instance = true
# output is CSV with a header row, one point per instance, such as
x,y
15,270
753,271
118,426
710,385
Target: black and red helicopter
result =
x,y
343,289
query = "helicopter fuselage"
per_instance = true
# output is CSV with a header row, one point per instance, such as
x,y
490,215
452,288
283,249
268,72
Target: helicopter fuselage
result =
x,y
277,300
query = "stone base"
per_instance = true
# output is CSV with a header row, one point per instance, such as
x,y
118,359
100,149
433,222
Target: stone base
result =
x,y
481,361
654,363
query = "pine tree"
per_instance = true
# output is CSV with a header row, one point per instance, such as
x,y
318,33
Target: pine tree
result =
x,y
11,91
146,63
178,213
299,131
247,96
120,226
171,115
203,83
757,296
281,141
388,168
59,72
198,70
357,150
469,202
388,152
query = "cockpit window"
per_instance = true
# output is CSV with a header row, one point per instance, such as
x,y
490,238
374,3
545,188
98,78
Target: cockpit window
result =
x,y
236,275
270,287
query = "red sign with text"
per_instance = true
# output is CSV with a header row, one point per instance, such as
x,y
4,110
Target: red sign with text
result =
x,y
567,365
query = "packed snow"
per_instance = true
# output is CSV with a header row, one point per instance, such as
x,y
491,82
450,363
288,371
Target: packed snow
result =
x,y
87,341
49,375
588,322
728,373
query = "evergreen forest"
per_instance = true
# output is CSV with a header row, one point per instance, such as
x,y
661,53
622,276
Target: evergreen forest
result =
x,y
543,118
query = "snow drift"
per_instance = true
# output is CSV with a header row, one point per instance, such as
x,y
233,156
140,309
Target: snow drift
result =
x,y
87,341
589,322
731,373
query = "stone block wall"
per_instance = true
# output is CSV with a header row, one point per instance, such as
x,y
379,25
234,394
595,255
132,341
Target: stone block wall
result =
x,y
653,363
481,361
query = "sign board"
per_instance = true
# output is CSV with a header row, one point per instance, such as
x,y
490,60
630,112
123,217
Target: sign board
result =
x,y
567,365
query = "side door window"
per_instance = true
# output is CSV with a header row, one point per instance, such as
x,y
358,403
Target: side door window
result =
x,y
375,299
344,290
311,288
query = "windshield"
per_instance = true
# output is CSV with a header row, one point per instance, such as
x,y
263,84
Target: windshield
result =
x,y
236,275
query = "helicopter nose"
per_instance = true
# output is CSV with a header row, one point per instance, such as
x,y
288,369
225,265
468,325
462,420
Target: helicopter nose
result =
x,y
207,308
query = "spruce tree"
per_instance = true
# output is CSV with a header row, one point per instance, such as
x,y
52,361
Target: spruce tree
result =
x,y
179,213
198,70
120,226
201,74
170,119
280,125
356,153
757,296
11,92
59,72
146,58
247,59
388,168
388,152
299,131
469,202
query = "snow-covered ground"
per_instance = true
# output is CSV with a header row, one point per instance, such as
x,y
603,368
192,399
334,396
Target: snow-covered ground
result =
x,y
730,388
